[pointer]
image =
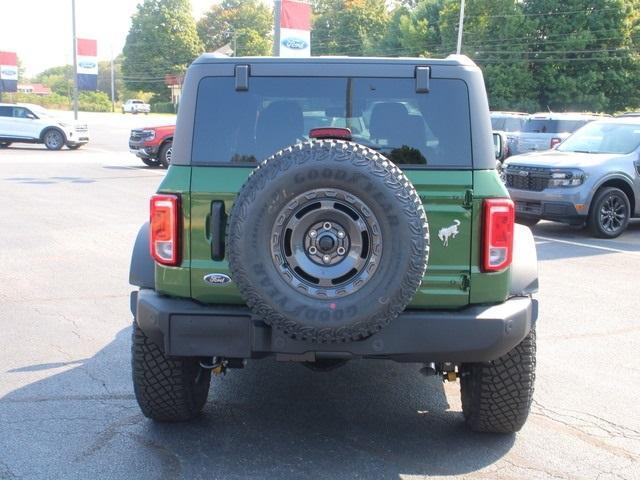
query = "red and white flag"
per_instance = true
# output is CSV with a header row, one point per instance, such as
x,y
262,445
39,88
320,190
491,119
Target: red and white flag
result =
x,y
295,29
8,72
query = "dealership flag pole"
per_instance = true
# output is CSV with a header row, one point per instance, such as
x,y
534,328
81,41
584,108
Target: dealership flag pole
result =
x,y
113,84
277,9
75,60
460,27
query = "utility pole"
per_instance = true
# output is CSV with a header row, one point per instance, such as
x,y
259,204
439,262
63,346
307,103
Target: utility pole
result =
x,y
277,8
235,43
460,27
113,86
75,60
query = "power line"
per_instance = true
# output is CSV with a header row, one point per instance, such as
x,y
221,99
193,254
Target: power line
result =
x,y
588,10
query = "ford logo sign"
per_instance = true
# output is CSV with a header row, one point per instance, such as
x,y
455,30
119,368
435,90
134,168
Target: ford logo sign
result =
x,y
9,73
87,65
216,279
295,43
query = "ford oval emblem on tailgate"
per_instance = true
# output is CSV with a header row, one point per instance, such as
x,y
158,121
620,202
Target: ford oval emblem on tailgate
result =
x,y
216,279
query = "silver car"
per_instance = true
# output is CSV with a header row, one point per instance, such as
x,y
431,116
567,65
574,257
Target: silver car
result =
x,y
592,177
543,131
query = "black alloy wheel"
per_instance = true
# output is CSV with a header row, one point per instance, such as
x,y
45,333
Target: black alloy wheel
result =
x,y
165,154
610,213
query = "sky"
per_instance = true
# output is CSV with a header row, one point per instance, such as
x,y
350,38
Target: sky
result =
x,y
39,31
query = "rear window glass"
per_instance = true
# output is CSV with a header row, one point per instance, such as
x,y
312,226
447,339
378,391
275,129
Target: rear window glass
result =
x,y
536,125
507,124
498,123
386,114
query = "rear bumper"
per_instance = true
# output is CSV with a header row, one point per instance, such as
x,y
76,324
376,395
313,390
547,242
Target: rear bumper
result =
x,y
478,333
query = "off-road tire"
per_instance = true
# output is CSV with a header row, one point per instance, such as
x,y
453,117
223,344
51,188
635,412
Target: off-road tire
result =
x,y
168,389
496,395
598,202
164,155
331,166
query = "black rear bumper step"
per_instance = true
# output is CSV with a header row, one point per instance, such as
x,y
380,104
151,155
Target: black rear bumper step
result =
x,y
476,333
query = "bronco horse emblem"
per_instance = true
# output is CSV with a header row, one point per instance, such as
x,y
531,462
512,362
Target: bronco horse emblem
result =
x,y
448,232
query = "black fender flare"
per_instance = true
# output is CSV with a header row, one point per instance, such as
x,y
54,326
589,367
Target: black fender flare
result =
x,y
524,266
143,268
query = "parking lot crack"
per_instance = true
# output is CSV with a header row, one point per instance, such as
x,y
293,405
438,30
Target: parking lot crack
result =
x,y
171,461
566,423
521,464
106,435
588,421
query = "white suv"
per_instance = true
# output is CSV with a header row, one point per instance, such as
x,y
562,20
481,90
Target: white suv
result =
x,y
26,123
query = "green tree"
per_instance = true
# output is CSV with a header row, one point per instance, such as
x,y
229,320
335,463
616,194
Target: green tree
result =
x,y
245,24
22,78
348,27
162,40
497,36
58,79
104,77
493,35
584,54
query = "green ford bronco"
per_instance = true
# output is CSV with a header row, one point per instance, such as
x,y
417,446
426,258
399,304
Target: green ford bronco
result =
x,y
324,209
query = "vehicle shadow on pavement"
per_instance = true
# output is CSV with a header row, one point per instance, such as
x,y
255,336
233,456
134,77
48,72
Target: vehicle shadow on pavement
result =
x,y
368,419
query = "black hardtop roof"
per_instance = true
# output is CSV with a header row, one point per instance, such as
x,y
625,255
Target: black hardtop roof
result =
x,y
451,60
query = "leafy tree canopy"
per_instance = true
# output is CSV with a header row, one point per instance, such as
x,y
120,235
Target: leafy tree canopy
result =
x,y
243,24
162,40
348,27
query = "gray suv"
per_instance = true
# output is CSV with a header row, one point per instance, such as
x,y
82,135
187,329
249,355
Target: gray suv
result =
x,y
593,177
543,131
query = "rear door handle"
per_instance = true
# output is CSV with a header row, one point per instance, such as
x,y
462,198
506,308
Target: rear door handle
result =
x,y
217,226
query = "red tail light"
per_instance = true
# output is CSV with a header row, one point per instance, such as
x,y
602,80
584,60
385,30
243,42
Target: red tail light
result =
x,y
165,229
499,220
330,132
555,141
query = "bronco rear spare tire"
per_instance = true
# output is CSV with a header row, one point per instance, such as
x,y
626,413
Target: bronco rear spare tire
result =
x,y
328,241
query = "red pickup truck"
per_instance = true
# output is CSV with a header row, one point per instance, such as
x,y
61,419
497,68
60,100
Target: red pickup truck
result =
x,y
153,144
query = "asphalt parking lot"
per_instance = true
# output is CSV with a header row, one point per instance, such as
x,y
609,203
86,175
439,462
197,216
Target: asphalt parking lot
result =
x,y
67,222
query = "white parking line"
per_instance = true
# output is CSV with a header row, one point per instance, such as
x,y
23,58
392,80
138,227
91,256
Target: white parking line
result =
x,y
597,247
